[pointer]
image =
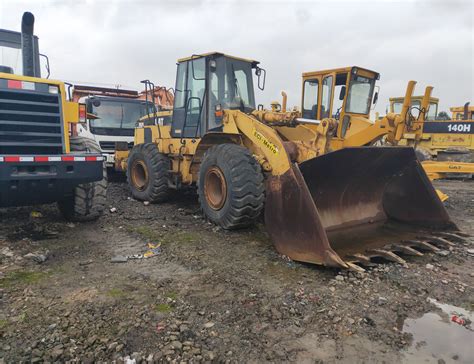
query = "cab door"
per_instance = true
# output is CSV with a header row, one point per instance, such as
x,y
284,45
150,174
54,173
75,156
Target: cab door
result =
x,y
189,110
327,90
311,102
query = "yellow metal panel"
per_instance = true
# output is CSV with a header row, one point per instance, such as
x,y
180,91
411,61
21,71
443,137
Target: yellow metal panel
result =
x,y
264,141
10,76
71,112
451,140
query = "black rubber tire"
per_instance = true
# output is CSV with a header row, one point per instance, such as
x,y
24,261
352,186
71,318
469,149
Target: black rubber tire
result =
x,y
88,199
245,190
457,155
157,165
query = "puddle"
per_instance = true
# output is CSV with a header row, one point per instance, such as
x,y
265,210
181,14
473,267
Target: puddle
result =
x,y
436,336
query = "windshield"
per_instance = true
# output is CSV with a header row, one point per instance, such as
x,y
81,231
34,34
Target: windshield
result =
x,y
432,111
116,114
397,106
415,109
12,58
360,95
240,94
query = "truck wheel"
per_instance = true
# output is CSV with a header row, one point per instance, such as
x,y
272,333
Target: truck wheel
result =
x,y
148,173
230,186
88,199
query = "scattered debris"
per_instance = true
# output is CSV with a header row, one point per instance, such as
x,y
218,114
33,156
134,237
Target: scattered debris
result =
x,y
155,249
113,209
36,214
208,325
458,320
429,266
37,257
119,259
7,252
470,251
146,203
86,262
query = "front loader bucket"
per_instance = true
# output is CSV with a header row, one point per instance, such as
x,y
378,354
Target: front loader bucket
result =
x,y
347,205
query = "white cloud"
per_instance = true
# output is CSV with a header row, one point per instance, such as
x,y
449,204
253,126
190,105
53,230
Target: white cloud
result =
x,y
123,42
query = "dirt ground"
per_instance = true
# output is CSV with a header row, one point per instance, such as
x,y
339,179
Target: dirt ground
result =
x,y
211,295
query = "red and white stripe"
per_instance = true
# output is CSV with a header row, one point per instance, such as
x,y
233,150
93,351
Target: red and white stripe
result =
x,y
45,158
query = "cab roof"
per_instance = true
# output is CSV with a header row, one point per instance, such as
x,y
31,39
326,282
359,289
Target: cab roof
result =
x,y
460,108
416,98
339,70
196,56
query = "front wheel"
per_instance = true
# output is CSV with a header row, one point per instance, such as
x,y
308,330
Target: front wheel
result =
x,y
230,186
148,173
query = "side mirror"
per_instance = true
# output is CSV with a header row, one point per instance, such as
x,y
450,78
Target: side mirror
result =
x,y
376,97
96,103
48,70
262,75
342,94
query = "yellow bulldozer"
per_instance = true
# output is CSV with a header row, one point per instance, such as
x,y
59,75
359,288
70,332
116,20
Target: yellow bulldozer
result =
x,y
341,208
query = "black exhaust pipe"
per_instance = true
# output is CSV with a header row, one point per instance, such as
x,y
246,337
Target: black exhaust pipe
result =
x,y
28,44
466,111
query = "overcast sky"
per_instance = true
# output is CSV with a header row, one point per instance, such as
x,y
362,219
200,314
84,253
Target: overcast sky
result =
x,y
125,41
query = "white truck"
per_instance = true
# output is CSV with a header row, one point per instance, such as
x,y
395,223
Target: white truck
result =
x,y
112,115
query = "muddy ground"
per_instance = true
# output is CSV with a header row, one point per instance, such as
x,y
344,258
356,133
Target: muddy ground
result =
x,y
212,295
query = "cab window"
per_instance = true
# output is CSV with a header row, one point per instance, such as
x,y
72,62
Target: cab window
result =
x,y
326,97
310,99
360,94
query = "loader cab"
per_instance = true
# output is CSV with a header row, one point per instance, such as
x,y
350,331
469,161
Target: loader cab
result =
x,y
17,57
345,94
208,83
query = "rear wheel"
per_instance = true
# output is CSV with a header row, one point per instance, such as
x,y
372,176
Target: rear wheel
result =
x,y
88,199
148,173
230,186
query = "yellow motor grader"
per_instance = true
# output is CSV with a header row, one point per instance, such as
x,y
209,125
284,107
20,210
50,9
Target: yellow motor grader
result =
x,y
337,208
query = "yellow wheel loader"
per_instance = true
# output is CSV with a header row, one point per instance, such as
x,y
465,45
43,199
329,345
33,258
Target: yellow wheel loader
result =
x,y
42,159
346,95
339,209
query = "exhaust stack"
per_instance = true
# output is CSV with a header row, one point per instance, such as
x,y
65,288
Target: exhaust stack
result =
x,y
28,44
466,111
